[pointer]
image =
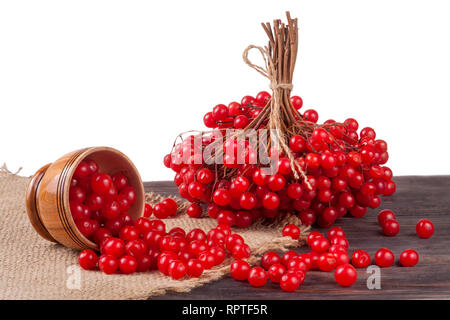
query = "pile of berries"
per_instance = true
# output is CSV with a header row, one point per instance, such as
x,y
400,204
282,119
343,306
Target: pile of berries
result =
x,y
99,203
146,245
327,254
345,172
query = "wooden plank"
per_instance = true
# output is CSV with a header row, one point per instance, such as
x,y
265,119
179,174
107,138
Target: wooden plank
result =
x,y
416,197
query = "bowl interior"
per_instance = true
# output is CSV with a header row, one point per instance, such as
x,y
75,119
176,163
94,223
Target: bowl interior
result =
x,y
112,161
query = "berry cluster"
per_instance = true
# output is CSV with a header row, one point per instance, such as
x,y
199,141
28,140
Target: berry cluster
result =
x,y
99,203
343,170
147,246
162,210
327,254
290,269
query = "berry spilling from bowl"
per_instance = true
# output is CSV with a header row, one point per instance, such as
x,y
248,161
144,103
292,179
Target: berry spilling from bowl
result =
x,y
100,202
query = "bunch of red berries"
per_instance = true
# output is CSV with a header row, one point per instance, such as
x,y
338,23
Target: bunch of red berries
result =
x,y
99,203
344,170
147,246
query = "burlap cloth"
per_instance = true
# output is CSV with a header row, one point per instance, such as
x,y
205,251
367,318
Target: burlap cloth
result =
x,y
33,268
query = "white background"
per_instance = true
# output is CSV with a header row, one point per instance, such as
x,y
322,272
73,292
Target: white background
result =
x,y
134,74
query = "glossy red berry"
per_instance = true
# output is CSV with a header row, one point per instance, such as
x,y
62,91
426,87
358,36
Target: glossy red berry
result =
x,y
385,215
345,275
409,258
320,244
327,262
384,258
241,251
390,227
194,211
291,230
176,269
114,247
194,268
101,183
270,258
108,264
120,181
240,270
222,197
291,281
128,264
88,259
360,259
424,228
257,277
297,102
148,210
275,272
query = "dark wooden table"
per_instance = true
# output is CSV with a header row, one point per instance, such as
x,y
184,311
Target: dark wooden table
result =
x,y
416,198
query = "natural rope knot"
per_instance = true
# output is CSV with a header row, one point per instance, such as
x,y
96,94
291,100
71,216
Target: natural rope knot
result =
x,y
275,86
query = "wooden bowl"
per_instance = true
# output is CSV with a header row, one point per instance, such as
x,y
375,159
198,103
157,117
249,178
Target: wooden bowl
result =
x,y
47,197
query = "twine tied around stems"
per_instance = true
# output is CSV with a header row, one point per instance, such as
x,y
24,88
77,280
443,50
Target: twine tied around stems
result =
x,y
269,71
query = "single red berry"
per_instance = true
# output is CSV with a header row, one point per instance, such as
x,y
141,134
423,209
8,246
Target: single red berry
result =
x,y
312,236
243,219
144,263
297,102
232,241
128,264
148,210
136,247
101,183
240,270
207,258
171,206
320,244
226,217
345,275
327,262
176,269
361,259
409,258
287,257
82,171
88,259
108,263
120,181
335,232
77,194
218,253
194,268
114,247
384,258
385,215
257,277
241,251
270,258
129,233
425,228
291,230
160,211
196,234
290,281
222,197
194,210
275,272
390,227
